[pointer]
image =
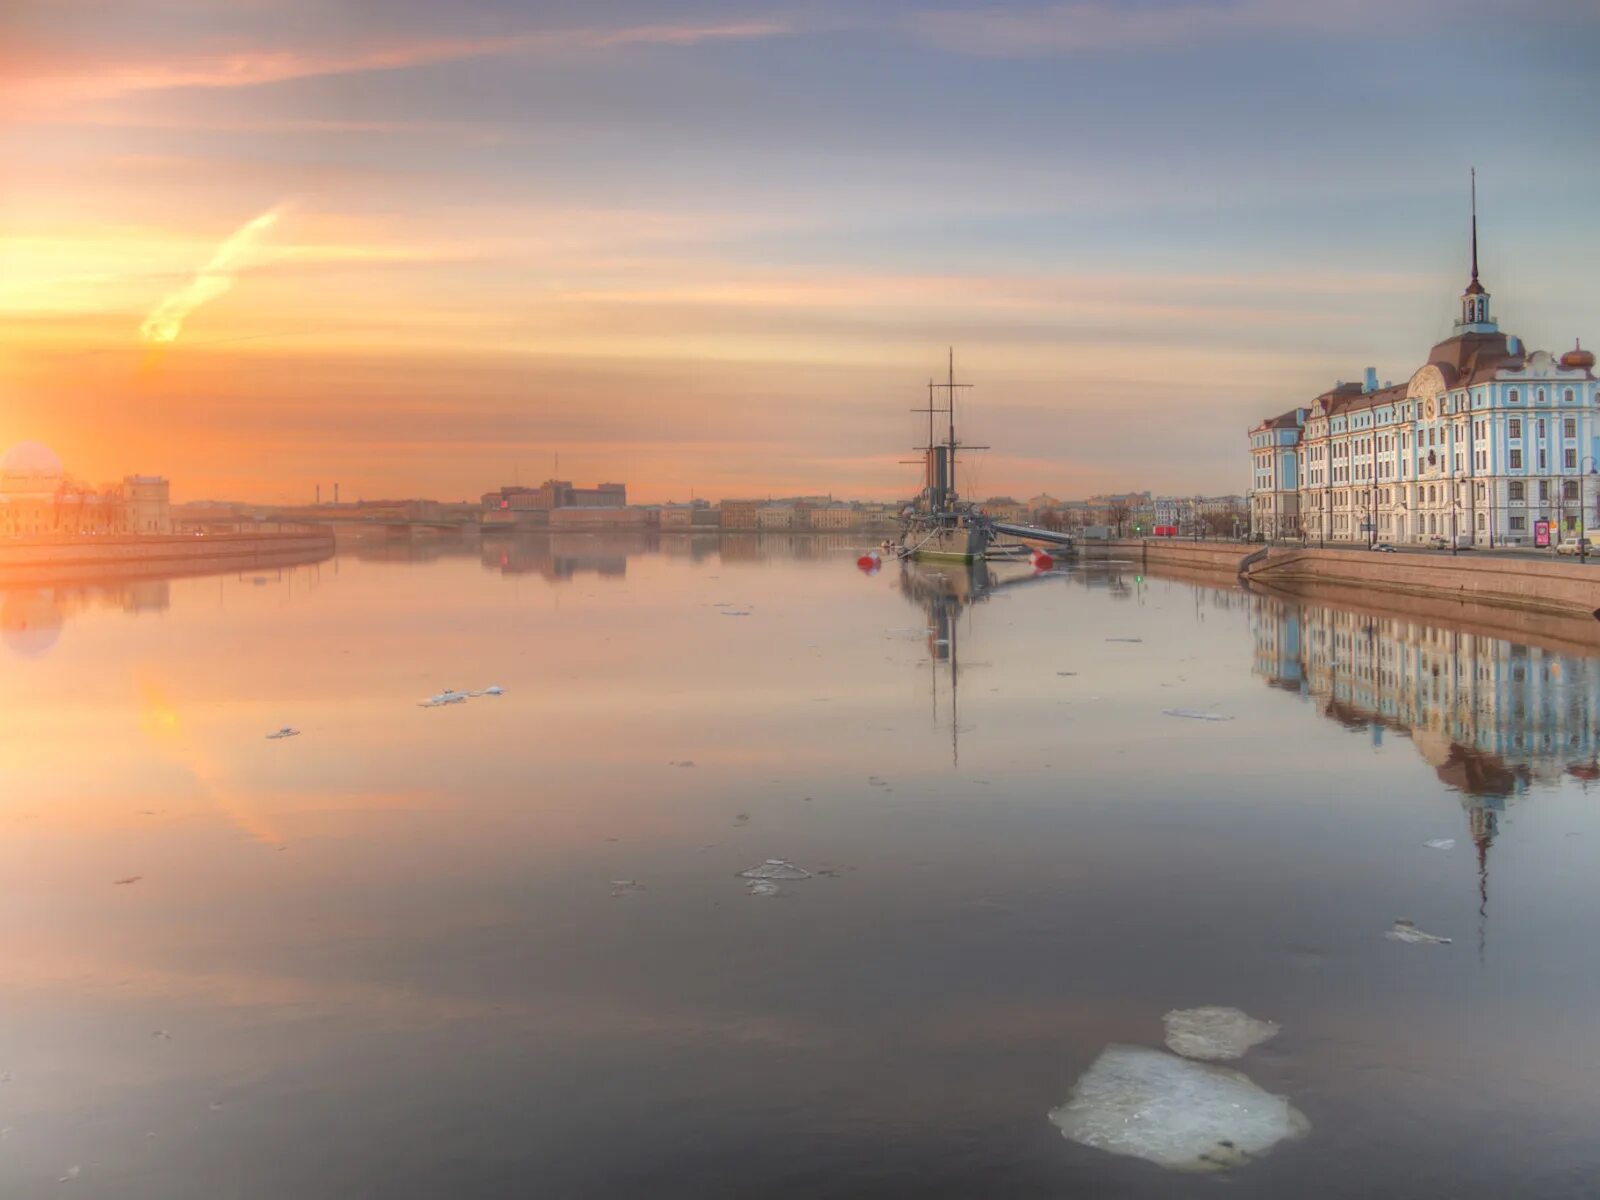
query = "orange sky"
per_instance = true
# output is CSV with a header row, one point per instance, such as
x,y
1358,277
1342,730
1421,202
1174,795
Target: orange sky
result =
x,y
423,254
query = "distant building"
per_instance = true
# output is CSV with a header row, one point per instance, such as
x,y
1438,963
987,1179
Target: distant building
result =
x,y
832,518
38,499
739,514
775,516
1004,508
557,493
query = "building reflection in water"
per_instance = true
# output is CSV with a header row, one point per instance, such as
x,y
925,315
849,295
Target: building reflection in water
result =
x,y
31,618
1491,716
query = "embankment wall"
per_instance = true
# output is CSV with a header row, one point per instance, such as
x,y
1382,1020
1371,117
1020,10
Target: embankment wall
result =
x,y
104,551
1553,586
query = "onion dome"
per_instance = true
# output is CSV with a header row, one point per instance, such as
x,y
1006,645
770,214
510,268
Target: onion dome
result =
x,y
1578,359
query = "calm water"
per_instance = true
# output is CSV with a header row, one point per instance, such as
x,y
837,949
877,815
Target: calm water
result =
x,y
384,958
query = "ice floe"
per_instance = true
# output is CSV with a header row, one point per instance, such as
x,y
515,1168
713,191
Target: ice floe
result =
x,y
287,731
1194,714
1179,1114
1215,1032
1407,931
1441,844
776,868
763,887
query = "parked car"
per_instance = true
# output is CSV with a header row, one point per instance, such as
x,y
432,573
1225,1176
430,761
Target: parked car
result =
x,y
1575,546
1438,542
1383,547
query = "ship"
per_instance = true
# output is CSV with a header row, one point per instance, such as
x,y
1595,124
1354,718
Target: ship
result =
x,y
939,525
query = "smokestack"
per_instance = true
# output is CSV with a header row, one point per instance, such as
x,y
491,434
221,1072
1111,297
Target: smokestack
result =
x,y
336,493
319,493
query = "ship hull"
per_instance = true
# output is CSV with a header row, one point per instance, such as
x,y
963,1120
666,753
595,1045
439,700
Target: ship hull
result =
x,y
958,543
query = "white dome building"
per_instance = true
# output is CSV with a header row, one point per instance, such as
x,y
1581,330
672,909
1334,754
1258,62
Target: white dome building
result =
x,y
38,500
30,469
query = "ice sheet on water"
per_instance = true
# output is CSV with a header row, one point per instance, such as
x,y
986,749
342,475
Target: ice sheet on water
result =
x,y
1441,844
763,887
1179,1114
1407,931
1194,714
1215,1032
776,868
625,887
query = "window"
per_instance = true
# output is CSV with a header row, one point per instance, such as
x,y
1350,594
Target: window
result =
x,y
1544,489
1541,429
1566,398
1516,490
1569,489
1514,427
1514,396
1518,524
1570,459
1538,397
1569,427
1516,459
1480,520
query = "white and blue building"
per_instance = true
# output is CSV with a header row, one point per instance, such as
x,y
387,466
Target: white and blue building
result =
x,y
1485,440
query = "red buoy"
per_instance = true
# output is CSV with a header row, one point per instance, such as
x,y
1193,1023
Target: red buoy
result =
x,y
1042,561
869,562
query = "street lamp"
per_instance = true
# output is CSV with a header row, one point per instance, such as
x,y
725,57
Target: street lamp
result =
x,y
1583,500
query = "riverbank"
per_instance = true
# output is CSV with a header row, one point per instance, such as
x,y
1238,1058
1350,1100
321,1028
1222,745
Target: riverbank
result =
x,y
1551,586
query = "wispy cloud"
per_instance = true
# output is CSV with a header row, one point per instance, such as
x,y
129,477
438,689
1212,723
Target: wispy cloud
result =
x,y
166,320
1088,26
42,79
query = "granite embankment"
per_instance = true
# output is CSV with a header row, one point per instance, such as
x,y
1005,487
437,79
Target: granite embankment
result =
x,y
229,549
1554,585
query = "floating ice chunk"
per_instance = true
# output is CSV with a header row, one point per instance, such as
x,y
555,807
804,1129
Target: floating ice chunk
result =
x,y
1215,1032
625,887
1066,672
776,868
494,689
683,762
1124,639
286,732
126,881
1193,714
1179,1114
1406,931
735,612
763,887
72,1173
448,696
1441,844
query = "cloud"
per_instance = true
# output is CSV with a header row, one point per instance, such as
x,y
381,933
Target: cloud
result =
x,y
41,80
1090,26
165,321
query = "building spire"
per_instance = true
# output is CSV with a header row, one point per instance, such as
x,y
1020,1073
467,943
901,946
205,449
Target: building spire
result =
x,y
1474,224
1475,316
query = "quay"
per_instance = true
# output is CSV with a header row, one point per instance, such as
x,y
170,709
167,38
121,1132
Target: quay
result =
x,y
1556,586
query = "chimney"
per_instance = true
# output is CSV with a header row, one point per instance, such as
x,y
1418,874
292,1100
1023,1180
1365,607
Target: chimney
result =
x,y
336,494
1371,383
319,493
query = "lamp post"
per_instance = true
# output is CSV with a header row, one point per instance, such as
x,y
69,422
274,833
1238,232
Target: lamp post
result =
x,y
1583,500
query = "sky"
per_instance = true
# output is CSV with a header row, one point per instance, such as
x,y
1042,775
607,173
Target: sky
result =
x,y
719,248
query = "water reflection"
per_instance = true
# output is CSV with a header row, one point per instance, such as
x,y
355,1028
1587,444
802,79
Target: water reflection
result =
x,y
1491,716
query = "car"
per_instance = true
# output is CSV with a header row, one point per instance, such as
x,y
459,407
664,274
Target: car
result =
x,y
1383,547
1438,542
1575,546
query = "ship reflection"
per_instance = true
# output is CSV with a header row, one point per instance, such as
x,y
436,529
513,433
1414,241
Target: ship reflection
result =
x,y
943,593
1494,718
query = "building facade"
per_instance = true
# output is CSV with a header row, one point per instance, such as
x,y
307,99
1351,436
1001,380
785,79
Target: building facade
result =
x,y
1486,444
38,499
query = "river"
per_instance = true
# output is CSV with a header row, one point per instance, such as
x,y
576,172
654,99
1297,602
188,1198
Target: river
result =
x,y
503,948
